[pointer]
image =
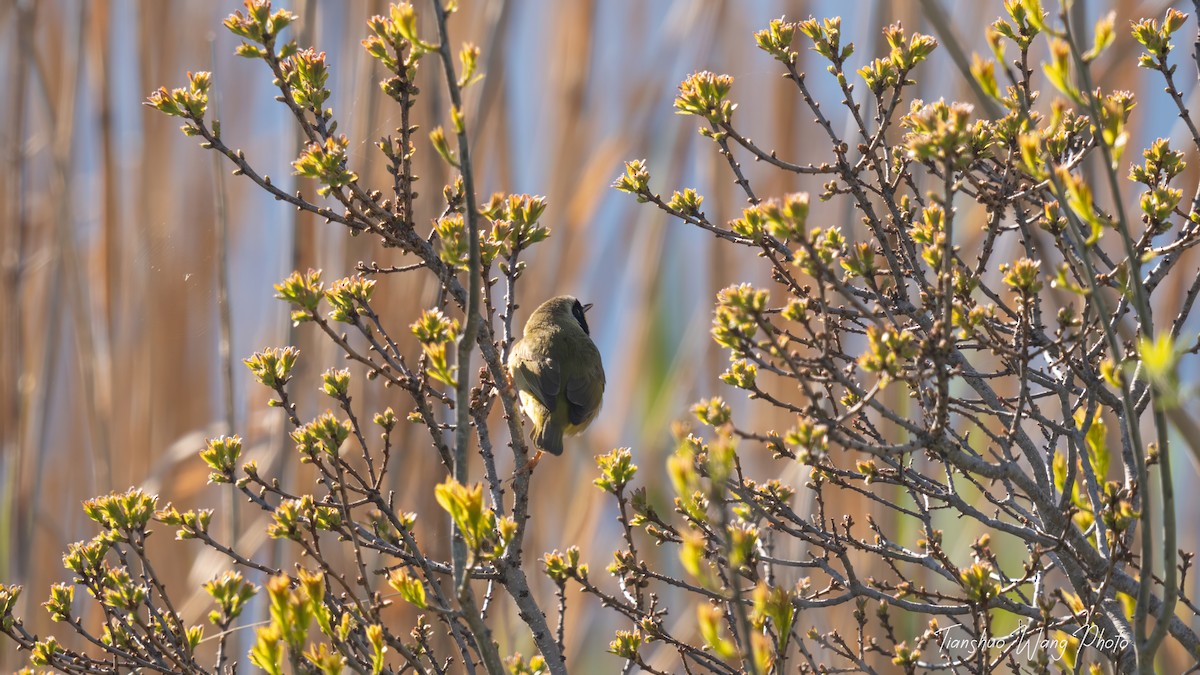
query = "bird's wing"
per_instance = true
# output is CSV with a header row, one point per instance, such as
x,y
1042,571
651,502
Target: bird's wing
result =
x,y
539,377
584,393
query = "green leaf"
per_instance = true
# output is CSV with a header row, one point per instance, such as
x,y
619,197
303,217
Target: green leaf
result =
x,y
409,588
1104,36
710,628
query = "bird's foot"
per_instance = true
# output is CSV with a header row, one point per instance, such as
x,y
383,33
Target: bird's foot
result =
x,y
528,468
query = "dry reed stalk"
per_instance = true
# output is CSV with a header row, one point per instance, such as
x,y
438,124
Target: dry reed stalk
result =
x,y
154,327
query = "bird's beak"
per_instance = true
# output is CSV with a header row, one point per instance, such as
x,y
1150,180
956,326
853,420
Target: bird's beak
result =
x,y
587,307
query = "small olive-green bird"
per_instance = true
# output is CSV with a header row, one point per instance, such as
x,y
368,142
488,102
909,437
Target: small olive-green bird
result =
x,y
557,372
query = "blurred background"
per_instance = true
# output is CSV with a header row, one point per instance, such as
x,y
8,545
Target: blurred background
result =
x,y
119,239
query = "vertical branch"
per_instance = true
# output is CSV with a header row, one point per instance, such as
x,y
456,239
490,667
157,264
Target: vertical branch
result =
x,y
946,283
1141,304
466,343
510,299
487,647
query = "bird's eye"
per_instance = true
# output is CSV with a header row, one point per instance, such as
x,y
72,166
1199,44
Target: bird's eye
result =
x,y
578,313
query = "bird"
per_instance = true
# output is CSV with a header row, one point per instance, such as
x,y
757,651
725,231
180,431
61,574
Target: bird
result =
x,y
557,372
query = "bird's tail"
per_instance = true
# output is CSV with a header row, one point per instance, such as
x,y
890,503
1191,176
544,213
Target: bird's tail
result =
x,y
548,437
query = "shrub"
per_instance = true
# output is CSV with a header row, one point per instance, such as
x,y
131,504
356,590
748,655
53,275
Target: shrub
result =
x,y
972,395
